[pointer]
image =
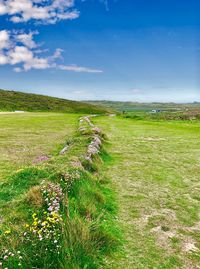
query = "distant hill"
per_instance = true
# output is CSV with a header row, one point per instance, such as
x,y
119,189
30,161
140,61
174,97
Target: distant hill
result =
x,y
13,100
132,106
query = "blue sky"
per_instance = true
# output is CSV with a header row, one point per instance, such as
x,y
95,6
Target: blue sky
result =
x,y
131,50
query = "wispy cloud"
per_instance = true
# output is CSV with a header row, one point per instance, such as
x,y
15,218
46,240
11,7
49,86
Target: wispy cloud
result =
x,y
43,11
136,91
79,69
18,49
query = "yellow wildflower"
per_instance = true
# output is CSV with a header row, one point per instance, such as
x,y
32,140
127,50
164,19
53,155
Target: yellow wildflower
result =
x,y
54,214
35,223
7,232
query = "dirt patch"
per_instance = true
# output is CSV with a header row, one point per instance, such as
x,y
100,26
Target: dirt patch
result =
x,y
151,139
189,246
163,237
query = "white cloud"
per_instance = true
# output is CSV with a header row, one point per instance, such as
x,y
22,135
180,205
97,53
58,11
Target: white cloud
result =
x,y
44,11
37,63
3,8
27,39
21,51
3,59
79,69
136,91
20,54
57,55
4,39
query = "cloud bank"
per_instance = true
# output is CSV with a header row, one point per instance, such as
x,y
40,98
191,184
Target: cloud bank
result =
x,y
43,11
19,50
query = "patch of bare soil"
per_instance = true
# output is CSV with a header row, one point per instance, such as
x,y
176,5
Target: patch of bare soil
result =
x,y
151,139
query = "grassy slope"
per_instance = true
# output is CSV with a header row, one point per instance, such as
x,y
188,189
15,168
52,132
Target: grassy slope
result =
x,y
24,137
155,169
12,100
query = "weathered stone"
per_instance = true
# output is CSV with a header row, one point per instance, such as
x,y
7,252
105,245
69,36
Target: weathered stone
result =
x,y
65,149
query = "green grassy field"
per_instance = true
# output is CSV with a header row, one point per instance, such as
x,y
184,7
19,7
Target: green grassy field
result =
x,y
149,169
26,136
62,205
185,115
155,172
24,139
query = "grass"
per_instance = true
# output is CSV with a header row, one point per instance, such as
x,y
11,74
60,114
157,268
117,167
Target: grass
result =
x,y
184,115
58,207
155,170
25,137
13,100
135,106
147,168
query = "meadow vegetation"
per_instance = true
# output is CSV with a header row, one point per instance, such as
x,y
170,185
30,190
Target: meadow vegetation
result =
x,y
101,192
185,115
136,106
28,136
60,212
13,100
155,170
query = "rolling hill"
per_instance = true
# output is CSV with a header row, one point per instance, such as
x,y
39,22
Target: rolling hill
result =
x,y
13,100
133,106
